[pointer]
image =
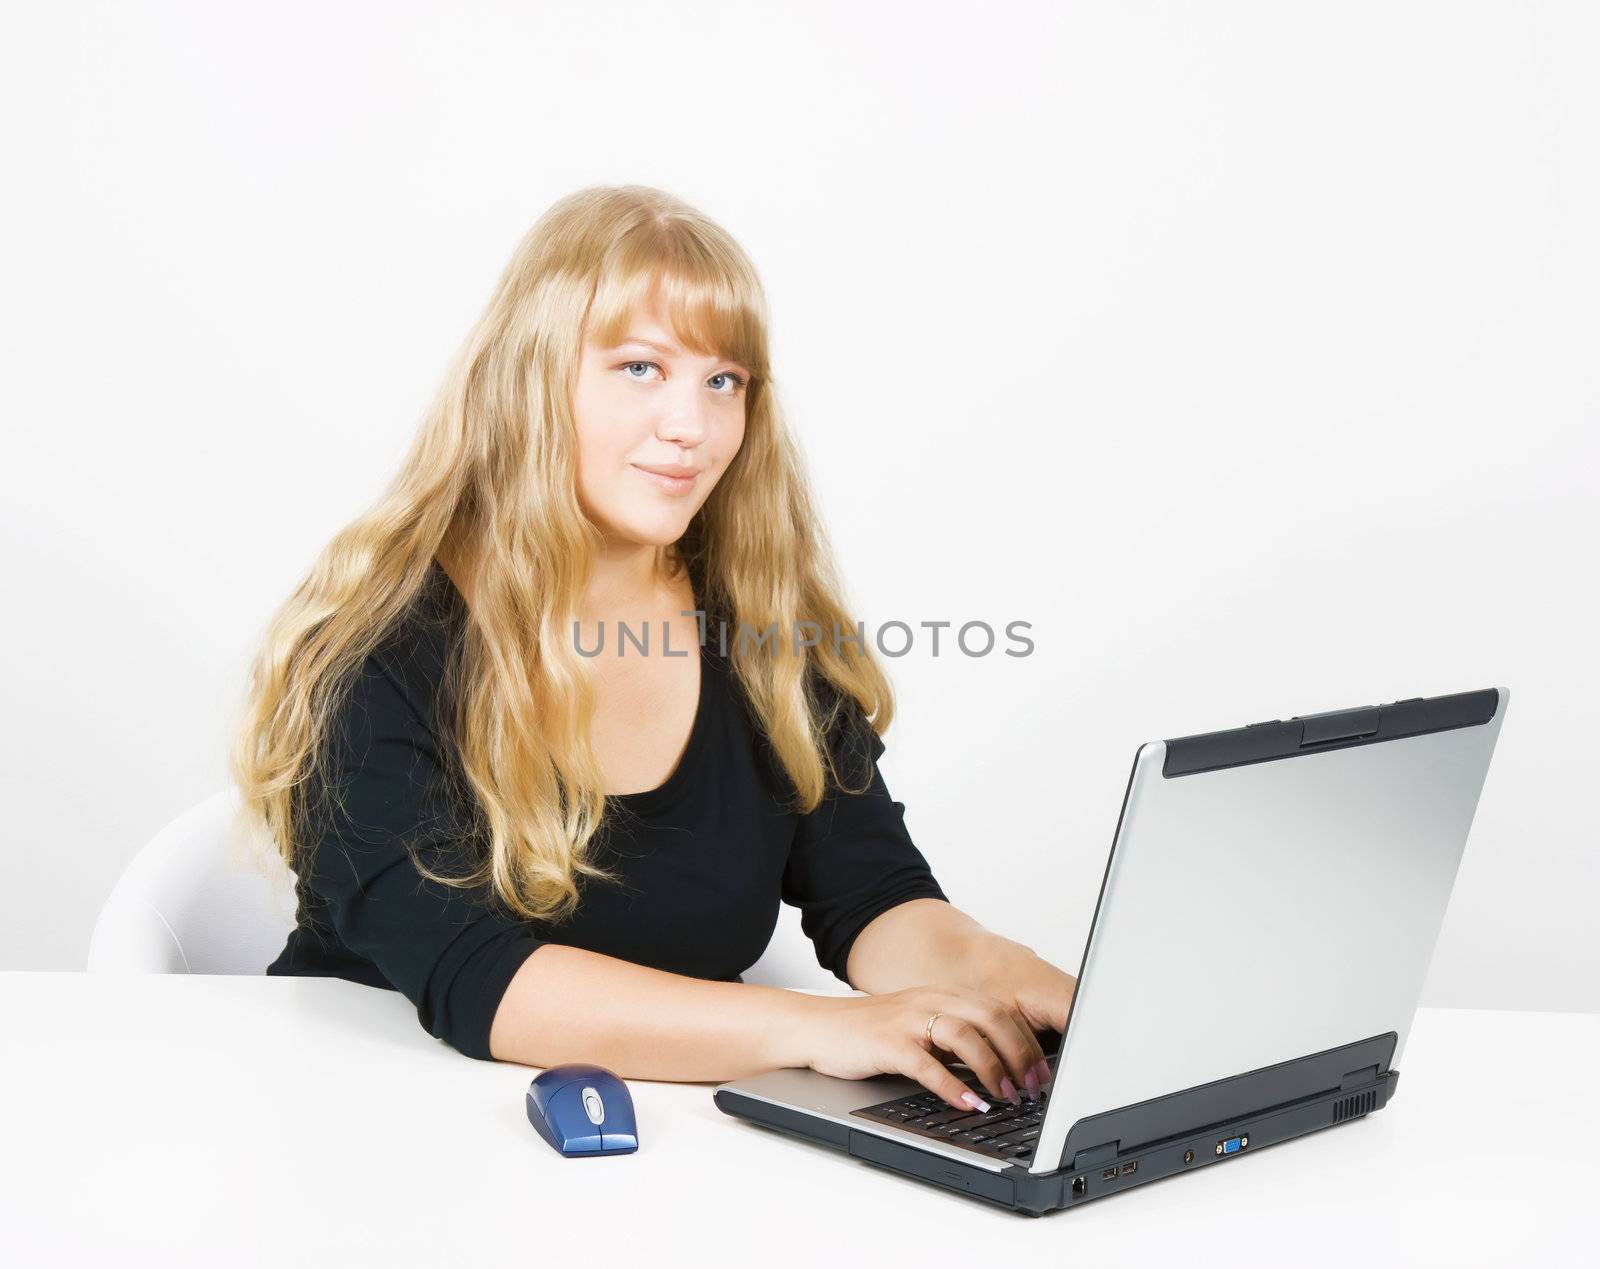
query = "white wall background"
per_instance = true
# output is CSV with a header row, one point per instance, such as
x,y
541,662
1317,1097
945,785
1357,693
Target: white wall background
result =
x,y
1246,350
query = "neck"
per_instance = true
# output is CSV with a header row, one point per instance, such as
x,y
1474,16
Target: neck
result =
x,y
628,582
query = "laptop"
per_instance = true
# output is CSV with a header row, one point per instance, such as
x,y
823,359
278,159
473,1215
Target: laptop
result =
x,y
1267,917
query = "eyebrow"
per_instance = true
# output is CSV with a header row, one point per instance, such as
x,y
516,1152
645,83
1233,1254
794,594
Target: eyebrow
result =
x,y
667,352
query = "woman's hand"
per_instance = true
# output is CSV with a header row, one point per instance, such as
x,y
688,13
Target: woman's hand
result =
x,y
856,1037
1040,993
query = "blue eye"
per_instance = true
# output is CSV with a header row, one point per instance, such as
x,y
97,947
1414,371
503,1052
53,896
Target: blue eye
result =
x,y
738,381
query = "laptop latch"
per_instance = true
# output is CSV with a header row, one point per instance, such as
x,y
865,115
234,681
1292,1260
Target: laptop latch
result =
x,y
1366,1075
1337,724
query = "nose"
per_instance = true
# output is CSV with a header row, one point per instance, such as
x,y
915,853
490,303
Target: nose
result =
x,y
686,416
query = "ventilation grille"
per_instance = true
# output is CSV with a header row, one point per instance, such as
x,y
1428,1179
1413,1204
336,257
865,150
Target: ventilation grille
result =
x,y
1354,1105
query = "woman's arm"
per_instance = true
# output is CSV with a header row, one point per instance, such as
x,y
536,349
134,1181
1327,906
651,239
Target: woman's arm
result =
x,y
923,942
568,1004
928,942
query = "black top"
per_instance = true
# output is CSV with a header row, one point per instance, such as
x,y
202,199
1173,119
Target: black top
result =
x,y
705,858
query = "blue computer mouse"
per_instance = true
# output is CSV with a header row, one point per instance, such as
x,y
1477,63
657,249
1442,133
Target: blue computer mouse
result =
x,y
582,1109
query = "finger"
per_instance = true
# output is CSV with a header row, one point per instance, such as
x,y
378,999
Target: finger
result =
x,y
935,1076
1018,1047
1037,1061
1030,1037
1009,1036
962,1038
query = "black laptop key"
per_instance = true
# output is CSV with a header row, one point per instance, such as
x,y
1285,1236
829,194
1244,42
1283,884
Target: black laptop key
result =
x,y
944,1117
993,1117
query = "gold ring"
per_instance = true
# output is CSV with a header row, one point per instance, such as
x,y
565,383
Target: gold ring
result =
x,y
928,1030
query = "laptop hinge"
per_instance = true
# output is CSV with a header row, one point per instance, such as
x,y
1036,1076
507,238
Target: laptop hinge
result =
x,y
1366,1075
1096,1155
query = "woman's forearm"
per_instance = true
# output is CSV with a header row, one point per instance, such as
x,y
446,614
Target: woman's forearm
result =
x,y
567,1004
926,942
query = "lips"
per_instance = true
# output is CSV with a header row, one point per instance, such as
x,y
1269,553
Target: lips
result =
x,y
669,480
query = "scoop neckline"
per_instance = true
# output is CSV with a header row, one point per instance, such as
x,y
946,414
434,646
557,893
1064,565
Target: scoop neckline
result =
x,y
669,789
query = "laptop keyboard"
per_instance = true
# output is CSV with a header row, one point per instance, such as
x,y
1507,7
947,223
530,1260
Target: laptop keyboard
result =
x,y
1004,1132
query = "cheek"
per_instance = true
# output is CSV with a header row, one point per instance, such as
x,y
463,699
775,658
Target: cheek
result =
x,y
606,428
732,441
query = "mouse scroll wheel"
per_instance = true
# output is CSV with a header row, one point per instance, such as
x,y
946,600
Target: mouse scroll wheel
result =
x,y
593,1106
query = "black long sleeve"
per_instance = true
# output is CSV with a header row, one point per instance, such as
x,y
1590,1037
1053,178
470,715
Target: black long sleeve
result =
x,y
443,947
704,859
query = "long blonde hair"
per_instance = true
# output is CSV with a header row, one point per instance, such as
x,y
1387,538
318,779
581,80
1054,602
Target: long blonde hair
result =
x,y
494,465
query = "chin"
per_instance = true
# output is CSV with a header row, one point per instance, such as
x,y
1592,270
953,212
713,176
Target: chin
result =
x,y
661,532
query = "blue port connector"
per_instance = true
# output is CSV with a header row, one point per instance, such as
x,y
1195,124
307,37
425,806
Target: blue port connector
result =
x,y
1232,1145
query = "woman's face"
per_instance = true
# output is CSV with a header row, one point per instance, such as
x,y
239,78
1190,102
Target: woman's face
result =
x,y
650,404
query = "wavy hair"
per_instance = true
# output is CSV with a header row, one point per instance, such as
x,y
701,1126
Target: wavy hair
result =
x,y
492,471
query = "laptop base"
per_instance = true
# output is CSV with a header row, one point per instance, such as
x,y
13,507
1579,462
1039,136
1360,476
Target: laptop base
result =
x,y
1347,1087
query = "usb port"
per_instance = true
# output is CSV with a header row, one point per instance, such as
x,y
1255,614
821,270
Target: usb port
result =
x,y
1128,1168
1110,1174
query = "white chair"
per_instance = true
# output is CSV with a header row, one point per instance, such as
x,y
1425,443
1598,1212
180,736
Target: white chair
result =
x,y
193,901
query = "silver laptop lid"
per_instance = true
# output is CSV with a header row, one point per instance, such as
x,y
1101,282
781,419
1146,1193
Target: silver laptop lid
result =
x,y
1272,892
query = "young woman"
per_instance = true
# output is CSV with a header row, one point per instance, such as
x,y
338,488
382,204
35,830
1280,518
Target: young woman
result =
x,y
560,842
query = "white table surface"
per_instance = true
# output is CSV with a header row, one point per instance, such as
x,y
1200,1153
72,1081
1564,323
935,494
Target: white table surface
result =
x,y
277,1121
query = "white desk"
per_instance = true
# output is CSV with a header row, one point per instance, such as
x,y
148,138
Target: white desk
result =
x,y
280,1121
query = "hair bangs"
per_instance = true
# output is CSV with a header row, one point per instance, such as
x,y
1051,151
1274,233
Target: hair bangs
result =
x,y
708,298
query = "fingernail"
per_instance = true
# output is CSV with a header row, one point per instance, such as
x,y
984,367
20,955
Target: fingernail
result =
x,y
1010,1090
1032,1081
1044,1072
973,1100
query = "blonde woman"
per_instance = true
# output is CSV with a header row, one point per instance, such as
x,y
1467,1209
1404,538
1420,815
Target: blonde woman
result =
x,y
563,843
